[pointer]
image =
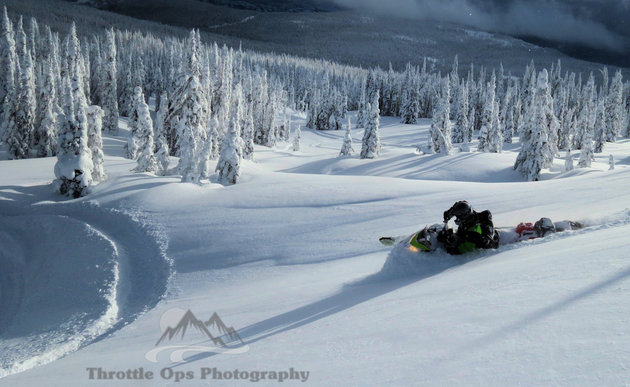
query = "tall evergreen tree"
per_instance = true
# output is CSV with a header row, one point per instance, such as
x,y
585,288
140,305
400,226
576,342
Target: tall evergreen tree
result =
x,y
161,143
21,137
229,164
440,124
143,136
248,133
193,117
490,139
346,148
531,158
461,119
600,127
95,141
371,144
8,63
586,117
568,161
507,116
74,159
296,139
586,154
614,114
108,87
47,131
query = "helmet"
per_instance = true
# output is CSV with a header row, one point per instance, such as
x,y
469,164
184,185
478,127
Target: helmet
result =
x,y
460,210
544,226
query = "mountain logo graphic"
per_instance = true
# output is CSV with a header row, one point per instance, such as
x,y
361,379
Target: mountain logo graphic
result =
x,y
180,327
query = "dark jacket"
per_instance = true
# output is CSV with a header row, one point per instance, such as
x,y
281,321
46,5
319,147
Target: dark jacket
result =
x,y
476,231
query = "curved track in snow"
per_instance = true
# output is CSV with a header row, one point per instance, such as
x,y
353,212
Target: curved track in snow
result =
x,y
71,274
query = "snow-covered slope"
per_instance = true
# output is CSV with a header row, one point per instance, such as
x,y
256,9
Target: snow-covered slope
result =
x,y
289,257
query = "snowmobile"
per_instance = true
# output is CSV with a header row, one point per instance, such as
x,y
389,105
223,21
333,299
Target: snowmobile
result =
x,y
426,240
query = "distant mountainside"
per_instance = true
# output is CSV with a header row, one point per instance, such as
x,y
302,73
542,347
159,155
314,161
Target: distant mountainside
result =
x,y
252,5
344,36
278,5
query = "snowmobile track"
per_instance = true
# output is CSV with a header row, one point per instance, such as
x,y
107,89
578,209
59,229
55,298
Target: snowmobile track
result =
x,y
132,281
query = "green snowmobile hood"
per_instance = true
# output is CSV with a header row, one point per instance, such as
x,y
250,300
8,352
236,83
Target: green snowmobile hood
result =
x,y
422,245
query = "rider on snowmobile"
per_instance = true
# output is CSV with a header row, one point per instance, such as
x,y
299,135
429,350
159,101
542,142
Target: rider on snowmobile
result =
x,y
475,230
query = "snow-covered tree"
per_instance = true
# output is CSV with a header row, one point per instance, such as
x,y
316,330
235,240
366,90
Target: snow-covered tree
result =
x,y
586,117
490,136
48,127
108,87
568,161
461,118
8,63
361,108
209,148
535,144
161,144
346,148
74,159
567,128
229,165
143,134
440,124
453,86
95,141
296,139
21,136
586,153
600,127
248,134
486,115
192,118
543,92
614,114
507,116
371,144
410,104
471,125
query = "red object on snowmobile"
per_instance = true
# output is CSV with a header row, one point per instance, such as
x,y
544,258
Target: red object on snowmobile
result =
x,y
526,230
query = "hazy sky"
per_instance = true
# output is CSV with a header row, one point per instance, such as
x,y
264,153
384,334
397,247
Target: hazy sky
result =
x,y
596,23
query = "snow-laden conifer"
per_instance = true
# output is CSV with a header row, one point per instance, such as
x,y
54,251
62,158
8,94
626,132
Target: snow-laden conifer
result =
x,y
568,161
535,143
229,164
346,148
143,134
614,115
296,139
73,169
95,141
461,118
108,86
600,127
48,127
8,63
161,144
21,136
371,144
